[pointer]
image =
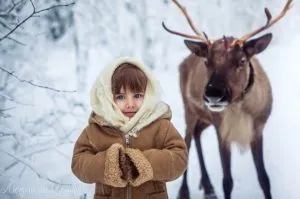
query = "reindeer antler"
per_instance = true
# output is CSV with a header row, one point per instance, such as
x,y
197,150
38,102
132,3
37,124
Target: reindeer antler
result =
x,y
269,23
198,35
183,34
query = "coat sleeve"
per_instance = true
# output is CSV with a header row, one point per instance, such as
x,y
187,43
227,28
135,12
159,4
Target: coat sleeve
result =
x,y
91,166
164,164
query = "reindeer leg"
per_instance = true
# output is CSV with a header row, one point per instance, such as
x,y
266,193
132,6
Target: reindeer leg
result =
x,y
225,155
257,153
205,183
184,190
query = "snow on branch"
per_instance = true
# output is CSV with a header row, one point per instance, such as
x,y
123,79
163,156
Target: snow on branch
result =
x,y
6,12
32,167
34,12
33,84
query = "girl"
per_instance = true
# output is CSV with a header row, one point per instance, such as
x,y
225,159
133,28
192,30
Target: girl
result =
x,y
130,149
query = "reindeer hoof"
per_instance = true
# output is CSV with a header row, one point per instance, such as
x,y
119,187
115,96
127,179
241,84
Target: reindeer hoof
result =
x,y
184,193
210,196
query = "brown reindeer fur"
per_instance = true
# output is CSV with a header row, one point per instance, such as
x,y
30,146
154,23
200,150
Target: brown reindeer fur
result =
x,y
236,122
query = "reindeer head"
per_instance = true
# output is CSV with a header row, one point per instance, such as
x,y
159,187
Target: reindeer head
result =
x,y
227,60
228,68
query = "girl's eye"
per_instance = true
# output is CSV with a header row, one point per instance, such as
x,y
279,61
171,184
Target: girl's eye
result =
x,y
243,61
119,97
138,95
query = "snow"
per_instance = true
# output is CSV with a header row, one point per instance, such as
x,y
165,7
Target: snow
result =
x,y
52,162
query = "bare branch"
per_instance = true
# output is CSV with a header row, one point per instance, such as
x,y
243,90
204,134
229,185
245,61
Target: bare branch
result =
x,y
32,6
34,12
4,25
9,10
3,114
32,153
33,84
18,42
55,6
32,167
6,109
22,172
3,134
14,100
8,28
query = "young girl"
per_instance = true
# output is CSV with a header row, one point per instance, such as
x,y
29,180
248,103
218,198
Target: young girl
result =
x,y
130,149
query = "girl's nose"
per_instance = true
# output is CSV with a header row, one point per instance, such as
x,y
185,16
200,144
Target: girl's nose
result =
x,y
130,104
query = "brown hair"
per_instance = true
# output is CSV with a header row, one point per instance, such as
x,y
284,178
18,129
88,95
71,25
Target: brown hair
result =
x,y
130,77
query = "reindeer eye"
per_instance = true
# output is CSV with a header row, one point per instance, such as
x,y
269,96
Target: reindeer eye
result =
x,y
243,61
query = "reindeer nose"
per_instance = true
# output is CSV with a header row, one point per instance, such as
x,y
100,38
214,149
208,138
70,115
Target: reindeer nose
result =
x,y
214,94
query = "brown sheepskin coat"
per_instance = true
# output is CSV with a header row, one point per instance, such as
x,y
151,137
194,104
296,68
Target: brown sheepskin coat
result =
x,y
158,152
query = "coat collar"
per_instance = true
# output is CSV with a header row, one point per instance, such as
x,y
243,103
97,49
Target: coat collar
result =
x,y
162,111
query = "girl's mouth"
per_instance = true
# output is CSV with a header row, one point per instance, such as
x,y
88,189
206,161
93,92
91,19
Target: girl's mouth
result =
x,y
129,114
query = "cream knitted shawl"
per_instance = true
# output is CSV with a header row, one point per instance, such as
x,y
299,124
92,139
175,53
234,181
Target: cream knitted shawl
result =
x,y
102,102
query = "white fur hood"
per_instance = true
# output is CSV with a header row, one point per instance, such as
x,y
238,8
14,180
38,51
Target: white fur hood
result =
x,y
102,102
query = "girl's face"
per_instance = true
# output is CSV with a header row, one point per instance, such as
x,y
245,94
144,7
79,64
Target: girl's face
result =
x,y
128,101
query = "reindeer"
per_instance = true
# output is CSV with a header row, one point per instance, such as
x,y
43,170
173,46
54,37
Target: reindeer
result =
x,y
224,85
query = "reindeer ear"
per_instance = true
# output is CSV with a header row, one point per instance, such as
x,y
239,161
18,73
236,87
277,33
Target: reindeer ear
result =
x,y
199,48
257,45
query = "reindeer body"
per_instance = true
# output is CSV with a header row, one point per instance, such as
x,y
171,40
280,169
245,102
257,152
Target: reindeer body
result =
x,y
224,85
244,89
238,121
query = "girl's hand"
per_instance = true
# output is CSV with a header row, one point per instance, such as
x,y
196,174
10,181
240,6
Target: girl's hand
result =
x,y
134,173
129,170
123,165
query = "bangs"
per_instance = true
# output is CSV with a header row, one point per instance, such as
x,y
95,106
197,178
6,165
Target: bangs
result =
x,y
130,77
